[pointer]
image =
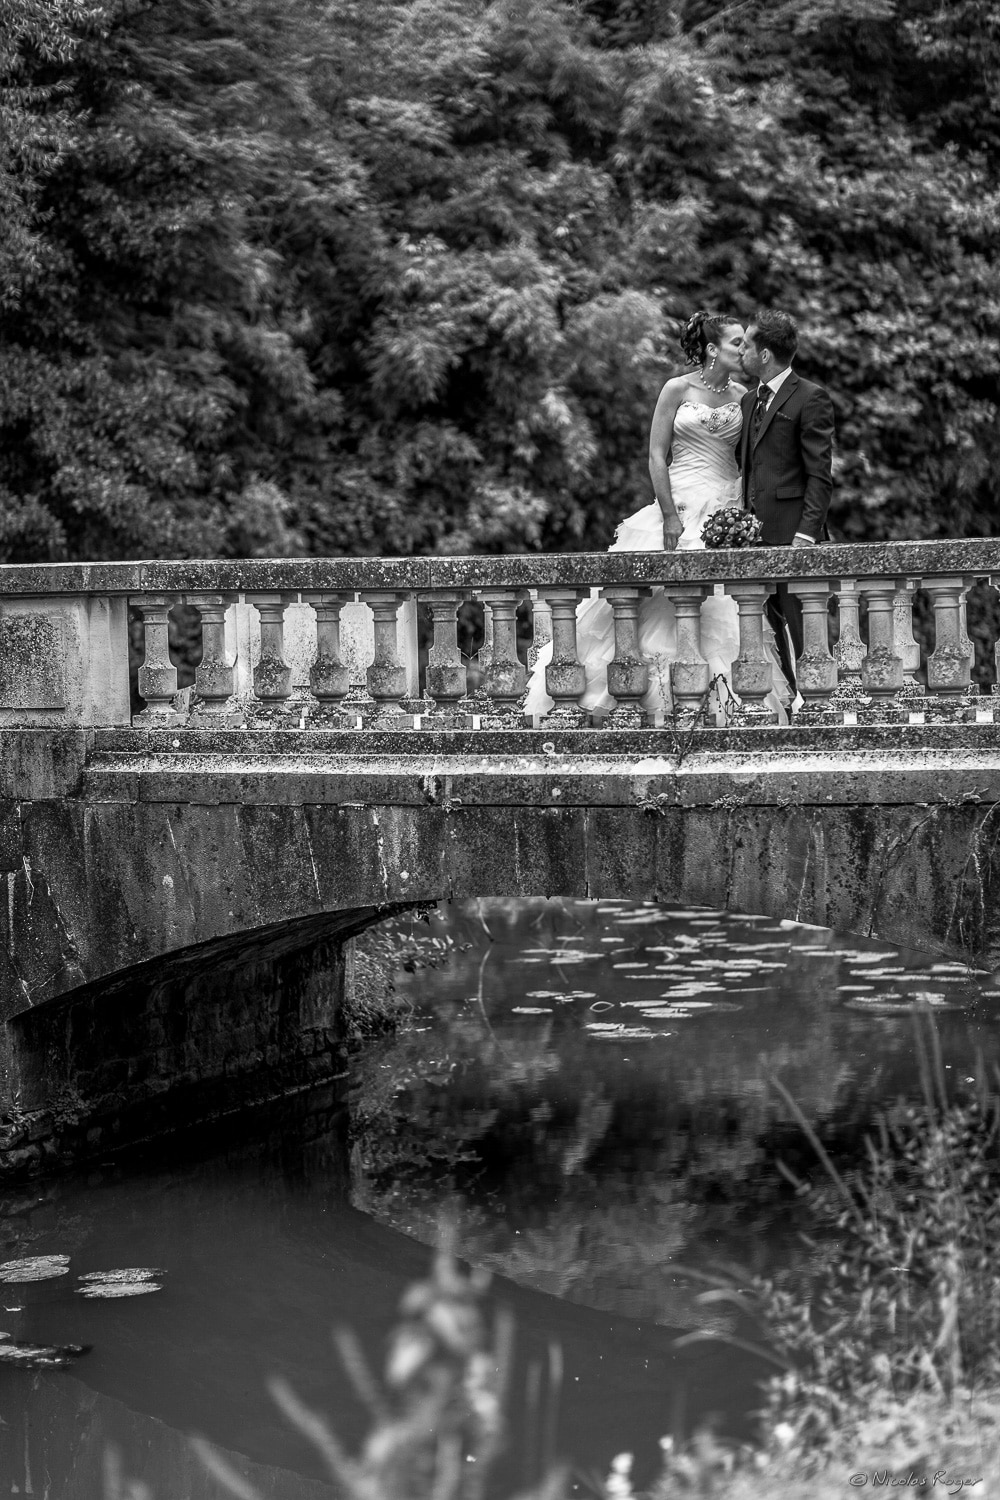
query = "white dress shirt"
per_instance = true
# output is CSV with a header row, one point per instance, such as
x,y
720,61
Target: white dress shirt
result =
x,y
773,386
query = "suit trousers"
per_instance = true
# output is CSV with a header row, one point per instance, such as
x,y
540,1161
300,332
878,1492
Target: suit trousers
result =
x,y
784,609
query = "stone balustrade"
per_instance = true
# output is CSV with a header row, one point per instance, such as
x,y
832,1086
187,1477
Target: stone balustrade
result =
x,y
336,643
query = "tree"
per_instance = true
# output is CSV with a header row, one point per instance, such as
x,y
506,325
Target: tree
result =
x,y
406,275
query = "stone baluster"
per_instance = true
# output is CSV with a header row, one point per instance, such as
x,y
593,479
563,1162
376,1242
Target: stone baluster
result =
x,y
628,674
505,677
882,669
272,676
963,616
849,652
906,648
753,671
816,669
387,677
215,675
158,675
541,626
329,678
565,677
690,674
447,678
948,674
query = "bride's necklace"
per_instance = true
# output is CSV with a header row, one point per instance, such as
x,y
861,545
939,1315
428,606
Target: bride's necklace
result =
x,y
715,389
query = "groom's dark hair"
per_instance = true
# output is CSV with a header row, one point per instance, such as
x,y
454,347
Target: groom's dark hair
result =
x,y
776,331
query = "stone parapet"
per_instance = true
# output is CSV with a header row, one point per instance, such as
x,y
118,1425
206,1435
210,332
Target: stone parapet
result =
x,y
371,643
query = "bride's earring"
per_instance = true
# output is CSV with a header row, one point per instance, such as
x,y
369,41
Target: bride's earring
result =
x,y
712,364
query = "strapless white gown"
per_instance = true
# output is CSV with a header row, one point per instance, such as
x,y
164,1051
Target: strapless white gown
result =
x,y
703,479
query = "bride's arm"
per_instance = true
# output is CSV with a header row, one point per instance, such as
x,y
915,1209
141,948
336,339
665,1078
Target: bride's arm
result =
x,y
661,435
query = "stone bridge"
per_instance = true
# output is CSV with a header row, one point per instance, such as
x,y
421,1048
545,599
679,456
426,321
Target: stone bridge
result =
x,y
185,865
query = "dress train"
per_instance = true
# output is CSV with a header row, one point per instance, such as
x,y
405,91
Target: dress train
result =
x,y
657,633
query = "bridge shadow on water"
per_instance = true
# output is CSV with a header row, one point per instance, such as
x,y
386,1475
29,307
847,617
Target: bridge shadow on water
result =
x,y
263,1255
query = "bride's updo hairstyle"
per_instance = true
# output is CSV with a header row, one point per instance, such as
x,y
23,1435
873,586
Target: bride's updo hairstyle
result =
x,y
703,329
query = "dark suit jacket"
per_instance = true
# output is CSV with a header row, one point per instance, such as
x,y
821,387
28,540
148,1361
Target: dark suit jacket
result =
x,y
787,471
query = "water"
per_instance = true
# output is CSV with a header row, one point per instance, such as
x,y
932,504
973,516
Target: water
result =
x,y
590,1099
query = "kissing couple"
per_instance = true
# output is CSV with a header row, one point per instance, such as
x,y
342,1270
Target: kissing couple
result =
x,y
738,428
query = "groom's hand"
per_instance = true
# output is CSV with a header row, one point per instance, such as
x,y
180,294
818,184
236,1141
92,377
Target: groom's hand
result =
x,y
801,540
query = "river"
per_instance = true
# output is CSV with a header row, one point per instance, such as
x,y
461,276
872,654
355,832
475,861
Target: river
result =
x,y
585,1089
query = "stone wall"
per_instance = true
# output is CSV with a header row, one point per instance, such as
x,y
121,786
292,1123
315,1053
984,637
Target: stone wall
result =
x,y
173,1044
173,904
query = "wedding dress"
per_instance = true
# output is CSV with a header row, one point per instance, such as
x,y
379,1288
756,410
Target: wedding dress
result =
x,y
703,479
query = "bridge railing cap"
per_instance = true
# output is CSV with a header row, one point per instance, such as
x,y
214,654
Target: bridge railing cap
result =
x,y
970,558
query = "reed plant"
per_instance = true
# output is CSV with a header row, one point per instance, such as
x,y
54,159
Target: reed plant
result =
x,y
889,1327
900,1293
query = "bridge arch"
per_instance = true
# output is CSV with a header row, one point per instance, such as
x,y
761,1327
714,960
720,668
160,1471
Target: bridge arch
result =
x,y
205,968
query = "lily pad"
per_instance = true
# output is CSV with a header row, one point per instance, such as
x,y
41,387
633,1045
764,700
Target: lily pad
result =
x,y
813,950
119,1289
606,1032
124,1281
664,1013
38,1356
34,1268
755,947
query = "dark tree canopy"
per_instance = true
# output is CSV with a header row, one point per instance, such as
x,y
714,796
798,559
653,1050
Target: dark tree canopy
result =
x,y
406,275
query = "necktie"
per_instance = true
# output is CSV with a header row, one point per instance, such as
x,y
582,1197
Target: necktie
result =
x,y
762,399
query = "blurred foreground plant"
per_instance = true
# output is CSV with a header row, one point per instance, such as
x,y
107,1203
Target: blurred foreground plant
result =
x,y
437,1417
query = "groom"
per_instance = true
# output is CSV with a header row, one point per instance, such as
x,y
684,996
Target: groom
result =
x,y
785,453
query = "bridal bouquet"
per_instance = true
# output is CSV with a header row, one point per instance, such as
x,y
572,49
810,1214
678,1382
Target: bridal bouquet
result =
x,y
731,527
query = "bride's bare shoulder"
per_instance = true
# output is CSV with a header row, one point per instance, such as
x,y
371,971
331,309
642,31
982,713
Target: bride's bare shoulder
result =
x,y
674,390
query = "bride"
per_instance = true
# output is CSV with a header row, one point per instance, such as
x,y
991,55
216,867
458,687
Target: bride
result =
x,y
692,463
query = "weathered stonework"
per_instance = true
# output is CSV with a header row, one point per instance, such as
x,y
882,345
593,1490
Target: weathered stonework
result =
x,y
32,665
182,1041
162,891
977,558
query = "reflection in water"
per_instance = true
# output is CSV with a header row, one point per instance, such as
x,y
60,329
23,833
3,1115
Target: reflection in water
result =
x,y
58,1432
591,1097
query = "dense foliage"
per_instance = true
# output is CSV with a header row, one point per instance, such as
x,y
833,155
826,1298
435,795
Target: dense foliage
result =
x,y
405,275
